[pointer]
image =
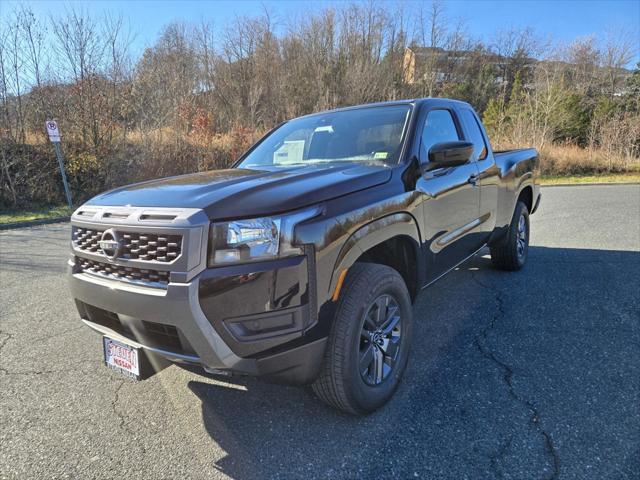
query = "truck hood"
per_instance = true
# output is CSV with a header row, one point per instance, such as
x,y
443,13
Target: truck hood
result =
x,y
236,192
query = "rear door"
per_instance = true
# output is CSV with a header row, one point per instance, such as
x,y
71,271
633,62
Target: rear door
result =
x,y
488,172
452,198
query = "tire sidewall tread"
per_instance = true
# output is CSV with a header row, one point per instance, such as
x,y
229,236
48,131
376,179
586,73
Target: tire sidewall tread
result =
x,y
504,255
339,383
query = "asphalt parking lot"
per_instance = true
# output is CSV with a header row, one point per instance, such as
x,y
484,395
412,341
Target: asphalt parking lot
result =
x,y
534,374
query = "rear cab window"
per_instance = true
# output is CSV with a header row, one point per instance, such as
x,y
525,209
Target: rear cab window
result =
x,y
475,134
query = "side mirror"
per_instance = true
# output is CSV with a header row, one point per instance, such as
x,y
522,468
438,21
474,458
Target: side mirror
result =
x,y
449,154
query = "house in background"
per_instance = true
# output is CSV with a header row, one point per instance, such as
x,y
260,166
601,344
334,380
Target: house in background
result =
x,y
434,66
440,65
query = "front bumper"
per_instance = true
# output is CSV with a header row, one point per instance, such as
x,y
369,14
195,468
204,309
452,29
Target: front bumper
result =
x,y
106,305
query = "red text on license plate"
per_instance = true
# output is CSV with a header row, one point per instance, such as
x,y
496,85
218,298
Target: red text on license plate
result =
x,y
121,356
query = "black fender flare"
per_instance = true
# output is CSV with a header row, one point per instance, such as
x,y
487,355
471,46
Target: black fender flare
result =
x,y
399,224
526,182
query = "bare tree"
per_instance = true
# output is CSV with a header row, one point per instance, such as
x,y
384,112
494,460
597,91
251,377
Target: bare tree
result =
x,y
81,49
5,129
361,42
118,71
6,178
516,50
617,52
431,31
584,57
167,79
15,64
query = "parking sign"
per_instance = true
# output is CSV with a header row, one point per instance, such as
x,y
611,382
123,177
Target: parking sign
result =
x,y
52,130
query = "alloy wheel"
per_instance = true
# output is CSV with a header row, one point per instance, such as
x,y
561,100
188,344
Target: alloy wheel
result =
x,y
380,339
521,237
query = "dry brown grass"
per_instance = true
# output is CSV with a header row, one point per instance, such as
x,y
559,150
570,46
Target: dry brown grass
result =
x,y
165,152
574,160
571,159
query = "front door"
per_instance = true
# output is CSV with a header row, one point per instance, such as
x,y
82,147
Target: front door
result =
x,y
452,199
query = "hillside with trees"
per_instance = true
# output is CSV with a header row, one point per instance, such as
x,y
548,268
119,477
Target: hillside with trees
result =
x,y
200,95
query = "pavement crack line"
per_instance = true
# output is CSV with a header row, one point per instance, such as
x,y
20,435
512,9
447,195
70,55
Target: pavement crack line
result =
x,y
485,351
30,372
4,341
9,336
41,372
58,334
116,411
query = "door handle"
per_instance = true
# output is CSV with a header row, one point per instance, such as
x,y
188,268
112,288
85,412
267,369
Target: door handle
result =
x,y
473,179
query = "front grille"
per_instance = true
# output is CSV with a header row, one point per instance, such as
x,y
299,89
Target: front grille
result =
x,y
162,335
136,246
120,272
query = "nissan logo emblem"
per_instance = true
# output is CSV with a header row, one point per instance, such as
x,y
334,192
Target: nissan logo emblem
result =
x,y
110,244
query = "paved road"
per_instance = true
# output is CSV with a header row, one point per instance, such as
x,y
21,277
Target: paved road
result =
x,y
522,375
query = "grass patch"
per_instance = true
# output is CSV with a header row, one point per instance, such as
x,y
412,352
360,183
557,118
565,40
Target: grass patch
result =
x,y
13,216
630,177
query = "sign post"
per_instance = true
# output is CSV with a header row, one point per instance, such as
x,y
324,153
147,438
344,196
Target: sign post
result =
x,y
54,136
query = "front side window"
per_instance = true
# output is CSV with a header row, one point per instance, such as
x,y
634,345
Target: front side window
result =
x,y
479,147
372,134
438,128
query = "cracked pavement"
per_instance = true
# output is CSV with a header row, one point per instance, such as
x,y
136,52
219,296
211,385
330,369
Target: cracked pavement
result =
x,y
526,375
480,342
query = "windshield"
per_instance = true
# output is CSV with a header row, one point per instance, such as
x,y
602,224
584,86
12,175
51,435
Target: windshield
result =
x,y
360,135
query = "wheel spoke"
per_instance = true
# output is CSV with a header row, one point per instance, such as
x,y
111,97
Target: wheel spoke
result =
x,y
391,350
522,228
381,310
521,236
378,365
370,322
390,324
379,340
392,309
366,357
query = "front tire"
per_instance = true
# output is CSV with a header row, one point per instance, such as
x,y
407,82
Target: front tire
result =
x,y
511,253
369,341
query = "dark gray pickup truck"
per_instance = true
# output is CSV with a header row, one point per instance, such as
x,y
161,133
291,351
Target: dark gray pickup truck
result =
x,y
300,264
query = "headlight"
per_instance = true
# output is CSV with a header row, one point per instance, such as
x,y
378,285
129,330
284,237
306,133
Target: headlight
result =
x,y
244,240
265,238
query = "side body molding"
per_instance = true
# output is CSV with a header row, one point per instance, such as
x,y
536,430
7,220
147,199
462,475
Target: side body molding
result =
x,y
401,224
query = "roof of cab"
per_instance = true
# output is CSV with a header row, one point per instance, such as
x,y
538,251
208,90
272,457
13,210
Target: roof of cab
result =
x,y
414,101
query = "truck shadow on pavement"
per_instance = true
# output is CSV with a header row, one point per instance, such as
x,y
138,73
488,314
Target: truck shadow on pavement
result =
x,y
523,374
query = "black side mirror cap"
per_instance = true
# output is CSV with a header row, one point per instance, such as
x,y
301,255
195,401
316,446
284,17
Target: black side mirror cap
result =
x,y
449,154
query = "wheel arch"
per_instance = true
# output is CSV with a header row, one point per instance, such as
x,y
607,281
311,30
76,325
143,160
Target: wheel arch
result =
x,y
526,196
373,242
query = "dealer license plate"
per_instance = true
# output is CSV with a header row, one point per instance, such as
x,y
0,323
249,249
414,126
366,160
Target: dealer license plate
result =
x,y
121,357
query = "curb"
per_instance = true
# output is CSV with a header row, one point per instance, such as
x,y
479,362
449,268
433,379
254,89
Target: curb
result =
x,y
33,223
609,184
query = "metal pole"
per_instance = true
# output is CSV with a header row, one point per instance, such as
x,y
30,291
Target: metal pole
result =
x,y
67,192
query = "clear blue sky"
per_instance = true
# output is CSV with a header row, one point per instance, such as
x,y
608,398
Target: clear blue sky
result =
x,y
562,20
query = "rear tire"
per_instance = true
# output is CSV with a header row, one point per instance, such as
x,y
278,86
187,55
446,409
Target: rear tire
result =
x,y
369,341
511,252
